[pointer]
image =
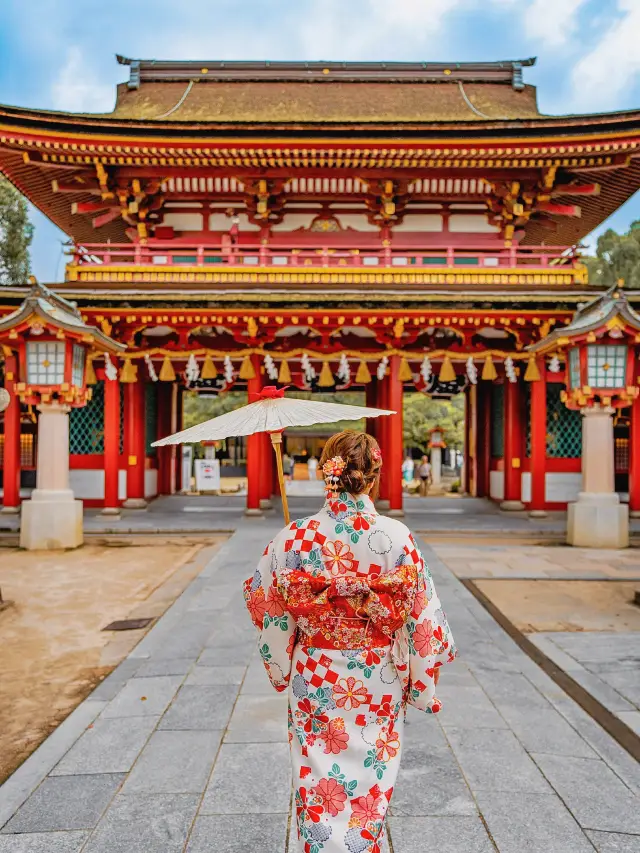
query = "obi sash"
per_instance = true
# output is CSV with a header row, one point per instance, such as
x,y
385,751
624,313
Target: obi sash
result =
x,y
349,611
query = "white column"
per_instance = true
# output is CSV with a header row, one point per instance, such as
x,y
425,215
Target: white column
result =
x,y
436,465
598,519
52,519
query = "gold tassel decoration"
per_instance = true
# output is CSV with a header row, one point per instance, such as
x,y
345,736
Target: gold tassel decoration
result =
x,y
404,371
532,373
128,372
284,374
208,368
447,372
326,379
363,375
91,377
247,370
167,373
489,371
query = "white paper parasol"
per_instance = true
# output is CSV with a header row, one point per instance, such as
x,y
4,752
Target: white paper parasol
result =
x,y
272,412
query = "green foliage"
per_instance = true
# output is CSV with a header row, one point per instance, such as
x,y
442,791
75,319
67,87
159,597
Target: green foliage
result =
x,y
16,233
422,413
617,257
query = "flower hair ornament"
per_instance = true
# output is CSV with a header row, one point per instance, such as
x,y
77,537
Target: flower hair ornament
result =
x,y
377,454
332,470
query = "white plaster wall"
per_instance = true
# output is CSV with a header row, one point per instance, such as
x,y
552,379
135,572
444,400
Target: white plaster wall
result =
x,y
221,222
183,221
469,223
356,221
496,485
420,222
561,487
87,484
293,221
151,482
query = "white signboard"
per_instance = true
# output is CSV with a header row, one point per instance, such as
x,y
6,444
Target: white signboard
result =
x,y
187,462
207,475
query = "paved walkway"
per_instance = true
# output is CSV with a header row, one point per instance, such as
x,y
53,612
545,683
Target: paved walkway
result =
x,y
184,747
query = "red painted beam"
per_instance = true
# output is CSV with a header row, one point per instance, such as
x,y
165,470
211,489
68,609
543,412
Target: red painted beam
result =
x,y
560,209
11,464
93,206
576,189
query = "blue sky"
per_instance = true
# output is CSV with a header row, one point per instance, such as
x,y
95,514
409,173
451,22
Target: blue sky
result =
x,y
59,54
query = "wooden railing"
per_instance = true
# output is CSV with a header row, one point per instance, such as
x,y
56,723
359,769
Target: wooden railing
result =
x,y
199,255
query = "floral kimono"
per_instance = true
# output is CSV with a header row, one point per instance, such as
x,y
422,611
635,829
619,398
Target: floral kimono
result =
x,y
352,627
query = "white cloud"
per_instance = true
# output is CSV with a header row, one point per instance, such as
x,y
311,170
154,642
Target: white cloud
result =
x,y
612,66
78,89
552,21
364,29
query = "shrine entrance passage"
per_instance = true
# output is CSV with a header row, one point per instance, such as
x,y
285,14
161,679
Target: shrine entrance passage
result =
x,y
522,446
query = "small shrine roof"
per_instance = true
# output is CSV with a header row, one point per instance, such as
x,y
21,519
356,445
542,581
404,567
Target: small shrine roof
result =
x,y
52,308
596,314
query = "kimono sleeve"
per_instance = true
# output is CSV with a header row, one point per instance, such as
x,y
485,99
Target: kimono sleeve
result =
x,y
429,639
269,614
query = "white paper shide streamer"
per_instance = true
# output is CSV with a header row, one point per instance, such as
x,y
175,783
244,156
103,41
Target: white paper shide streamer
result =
x,y
425,369
307,368
192,370
510,369
110,370
472,371
554,364
228,370
270,367
344,369
153,376
382,368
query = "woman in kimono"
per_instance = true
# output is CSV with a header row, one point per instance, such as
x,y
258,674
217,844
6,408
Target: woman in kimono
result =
x,y
351,626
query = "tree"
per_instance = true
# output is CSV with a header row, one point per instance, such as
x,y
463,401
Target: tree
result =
x,y
16,233
422,413
617,257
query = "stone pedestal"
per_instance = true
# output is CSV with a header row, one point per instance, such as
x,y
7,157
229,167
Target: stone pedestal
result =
x,y
135,503
512,506
52,519
598,519
436,465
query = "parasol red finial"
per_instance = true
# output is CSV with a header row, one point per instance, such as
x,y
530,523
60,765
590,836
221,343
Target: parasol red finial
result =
x,y
269,392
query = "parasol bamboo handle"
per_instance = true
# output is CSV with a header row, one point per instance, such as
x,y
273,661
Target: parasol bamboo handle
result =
x,y
276,441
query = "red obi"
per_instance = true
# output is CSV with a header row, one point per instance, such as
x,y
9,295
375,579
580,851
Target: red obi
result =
x,y
349,612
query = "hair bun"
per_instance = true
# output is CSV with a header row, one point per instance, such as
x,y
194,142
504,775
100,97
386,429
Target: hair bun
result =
x,y
362,460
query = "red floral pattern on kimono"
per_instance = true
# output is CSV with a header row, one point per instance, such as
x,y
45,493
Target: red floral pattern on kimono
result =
x,y
351,626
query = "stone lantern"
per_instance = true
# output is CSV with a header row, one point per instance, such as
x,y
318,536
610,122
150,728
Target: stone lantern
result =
x,y
52,344
600,346
436,445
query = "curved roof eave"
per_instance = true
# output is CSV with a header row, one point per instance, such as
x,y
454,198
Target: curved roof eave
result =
x,y
87,124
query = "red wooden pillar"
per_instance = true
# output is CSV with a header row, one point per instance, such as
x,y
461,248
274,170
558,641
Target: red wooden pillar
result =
x,y
167,425
135,443
634,460
371,392
111,445
178,421
255,449
395,440
266,471
469,453
538,442
513,446
485,439
11,464
382,436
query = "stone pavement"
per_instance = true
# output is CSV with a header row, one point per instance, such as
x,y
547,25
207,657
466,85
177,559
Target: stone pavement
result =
x,y
211,514
183,749
607,665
